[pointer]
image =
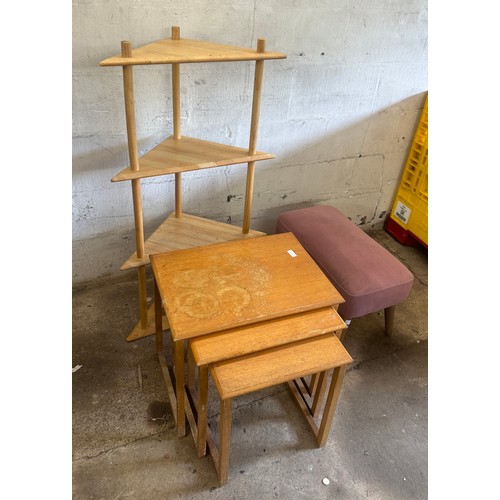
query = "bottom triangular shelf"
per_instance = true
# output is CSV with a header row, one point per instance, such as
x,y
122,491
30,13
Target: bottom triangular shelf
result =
x,y
138,332
187,231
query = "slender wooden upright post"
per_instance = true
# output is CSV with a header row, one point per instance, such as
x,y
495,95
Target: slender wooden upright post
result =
x,y
252,147
128,87
158,319
176,99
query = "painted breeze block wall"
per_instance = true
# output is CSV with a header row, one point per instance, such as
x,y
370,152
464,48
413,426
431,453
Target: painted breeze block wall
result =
x,y
339,113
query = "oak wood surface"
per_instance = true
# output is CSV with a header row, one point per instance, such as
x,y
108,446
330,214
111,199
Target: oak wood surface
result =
x,y
217,287
185,50
259,336
185,154
177,233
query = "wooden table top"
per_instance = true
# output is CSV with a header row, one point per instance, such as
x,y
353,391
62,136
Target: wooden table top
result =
x,y
216,287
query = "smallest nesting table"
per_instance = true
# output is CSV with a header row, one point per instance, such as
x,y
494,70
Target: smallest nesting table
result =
x,y
218,287
265,354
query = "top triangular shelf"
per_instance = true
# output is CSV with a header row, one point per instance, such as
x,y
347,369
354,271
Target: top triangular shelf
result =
x,y
170,51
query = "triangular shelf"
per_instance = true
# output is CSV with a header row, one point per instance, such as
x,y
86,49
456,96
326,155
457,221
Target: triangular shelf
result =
x,y
177,233
171,51
140,332
182,155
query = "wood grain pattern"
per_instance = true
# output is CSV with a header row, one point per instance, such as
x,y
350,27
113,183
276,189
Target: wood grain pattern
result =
x,y
185,154
257,337
217,287
185,50
277,365
177,233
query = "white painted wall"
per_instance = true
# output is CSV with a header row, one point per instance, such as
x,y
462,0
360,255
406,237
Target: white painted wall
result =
x,y
339,112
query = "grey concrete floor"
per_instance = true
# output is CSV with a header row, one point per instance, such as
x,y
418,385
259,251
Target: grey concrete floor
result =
x,y
125,444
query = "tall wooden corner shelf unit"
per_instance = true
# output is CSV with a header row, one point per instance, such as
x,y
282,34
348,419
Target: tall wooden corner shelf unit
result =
x,y
178,154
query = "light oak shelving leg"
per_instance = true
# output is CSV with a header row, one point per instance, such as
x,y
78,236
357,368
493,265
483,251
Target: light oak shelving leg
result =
x,y
176,100
252,147
128,88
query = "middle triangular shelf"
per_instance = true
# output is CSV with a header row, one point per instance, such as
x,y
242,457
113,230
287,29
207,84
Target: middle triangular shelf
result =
x,y
182,155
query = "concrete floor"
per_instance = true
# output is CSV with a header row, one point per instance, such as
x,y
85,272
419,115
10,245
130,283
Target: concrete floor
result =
x,y
125,445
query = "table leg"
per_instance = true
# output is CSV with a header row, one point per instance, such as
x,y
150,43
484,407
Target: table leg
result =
x,y
190,370
202,409
319,393
331,403
224,439
179,387
158,319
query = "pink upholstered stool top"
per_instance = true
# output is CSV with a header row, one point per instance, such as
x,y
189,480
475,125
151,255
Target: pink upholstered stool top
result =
x,y
368,276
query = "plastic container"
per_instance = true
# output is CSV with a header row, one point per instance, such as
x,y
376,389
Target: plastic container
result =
x,y
408,220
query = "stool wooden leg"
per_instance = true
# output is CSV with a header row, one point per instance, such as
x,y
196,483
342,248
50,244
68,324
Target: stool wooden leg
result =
x,y
202,410
389,319
331,403
226,410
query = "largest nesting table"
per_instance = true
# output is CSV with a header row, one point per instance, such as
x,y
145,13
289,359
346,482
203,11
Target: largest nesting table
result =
x,y
223,286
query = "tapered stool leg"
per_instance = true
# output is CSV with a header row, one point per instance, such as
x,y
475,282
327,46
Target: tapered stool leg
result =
x,y
389,319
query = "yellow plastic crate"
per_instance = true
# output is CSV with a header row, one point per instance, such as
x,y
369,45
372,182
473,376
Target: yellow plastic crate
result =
x,y
410,208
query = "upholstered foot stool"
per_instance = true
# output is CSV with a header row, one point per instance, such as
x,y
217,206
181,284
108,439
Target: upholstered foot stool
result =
x,y
369,277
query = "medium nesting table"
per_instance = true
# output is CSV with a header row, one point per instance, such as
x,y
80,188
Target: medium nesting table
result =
x,y
223,287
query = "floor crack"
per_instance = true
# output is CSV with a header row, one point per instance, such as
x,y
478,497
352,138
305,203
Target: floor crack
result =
x,y
102,452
